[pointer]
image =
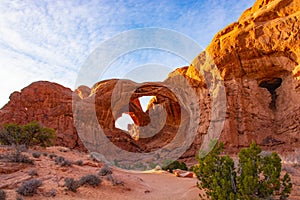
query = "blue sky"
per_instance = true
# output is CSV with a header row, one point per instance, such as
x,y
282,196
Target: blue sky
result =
x,y
50,40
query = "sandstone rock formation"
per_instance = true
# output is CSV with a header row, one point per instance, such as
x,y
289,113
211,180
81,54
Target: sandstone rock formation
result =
x,y
258,57
48,103
257,60
168,119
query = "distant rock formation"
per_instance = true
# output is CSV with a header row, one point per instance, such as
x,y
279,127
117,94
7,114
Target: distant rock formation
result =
x,y
48,103
258,60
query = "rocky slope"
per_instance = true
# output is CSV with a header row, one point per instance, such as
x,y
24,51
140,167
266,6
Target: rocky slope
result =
x,y
121,185
257,60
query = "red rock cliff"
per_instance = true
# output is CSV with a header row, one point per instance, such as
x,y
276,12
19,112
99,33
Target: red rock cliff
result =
x,y
48,103
258,59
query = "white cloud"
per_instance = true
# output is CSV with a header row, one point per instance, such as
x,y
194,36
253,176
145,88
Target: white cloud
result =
x,y
50,40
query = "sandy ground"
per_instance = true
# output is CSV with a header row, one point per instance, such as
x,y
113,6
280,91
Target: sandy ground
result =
x,y
150,185
154,185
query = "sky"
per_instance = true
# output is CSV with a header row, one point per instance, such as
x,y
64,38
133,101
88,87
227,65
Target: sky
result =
x,y
51,40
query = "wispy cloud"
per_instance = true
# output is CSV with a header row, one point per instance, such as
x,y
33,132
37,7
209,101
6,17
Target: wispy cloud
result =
x,y
50,40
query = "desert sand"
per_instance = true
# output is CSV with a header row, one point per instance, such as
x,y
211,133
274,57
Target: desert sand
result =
x,y
137,184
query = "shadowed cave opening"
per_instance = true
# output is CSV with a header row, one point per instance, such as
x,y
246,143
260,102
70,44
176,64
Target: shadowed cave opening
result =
x,y
271,85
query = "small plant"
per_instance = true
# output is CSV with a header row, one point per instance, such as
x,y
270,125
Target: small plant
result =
x,y
66,163
2,194
105,170
29,188
113,180
257,177
36,154
59,160
33,172
79,162
175,165
192,168
90,179
71,184
52,155
62,161
18,157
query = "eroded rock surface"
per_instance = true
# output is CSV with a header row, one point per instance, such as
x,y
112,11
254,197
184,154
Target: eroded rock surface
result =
x,y
258,62
258,57
48,103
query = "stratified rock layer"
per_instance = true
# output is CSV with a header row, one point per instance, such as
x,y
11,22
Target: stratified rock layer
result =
x,y
48,103
257,61
258,57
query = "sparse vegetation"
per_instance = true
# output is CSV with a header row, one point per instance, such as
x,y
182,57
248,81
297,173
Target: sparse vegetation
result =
x,y
79,162
36,154
17,157
29,188
62,161
30,134
105,170
175,165
52,155
24,136
90,179
2,194
71,184
257,176
116,182
50,193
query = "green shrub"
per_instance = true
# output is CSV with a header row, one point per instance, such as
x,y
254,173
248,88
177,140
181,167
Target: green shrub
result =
x,y
175,165
216,174
257,176
30,134
29,188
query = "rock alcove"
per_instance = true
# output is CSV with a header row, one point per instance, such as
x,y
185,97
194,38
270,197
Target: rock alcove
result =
x,y
271,85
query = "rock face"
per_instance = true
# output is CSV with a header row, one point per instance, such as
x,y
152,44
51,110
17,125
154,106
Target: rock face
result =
x,y
48,103
258,57
154,128
257,60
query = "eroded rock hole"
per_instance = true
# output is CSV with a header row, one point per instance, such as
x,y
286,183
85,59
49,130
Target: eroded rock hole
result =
x,y
271,85
123,122
131,121
144,101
